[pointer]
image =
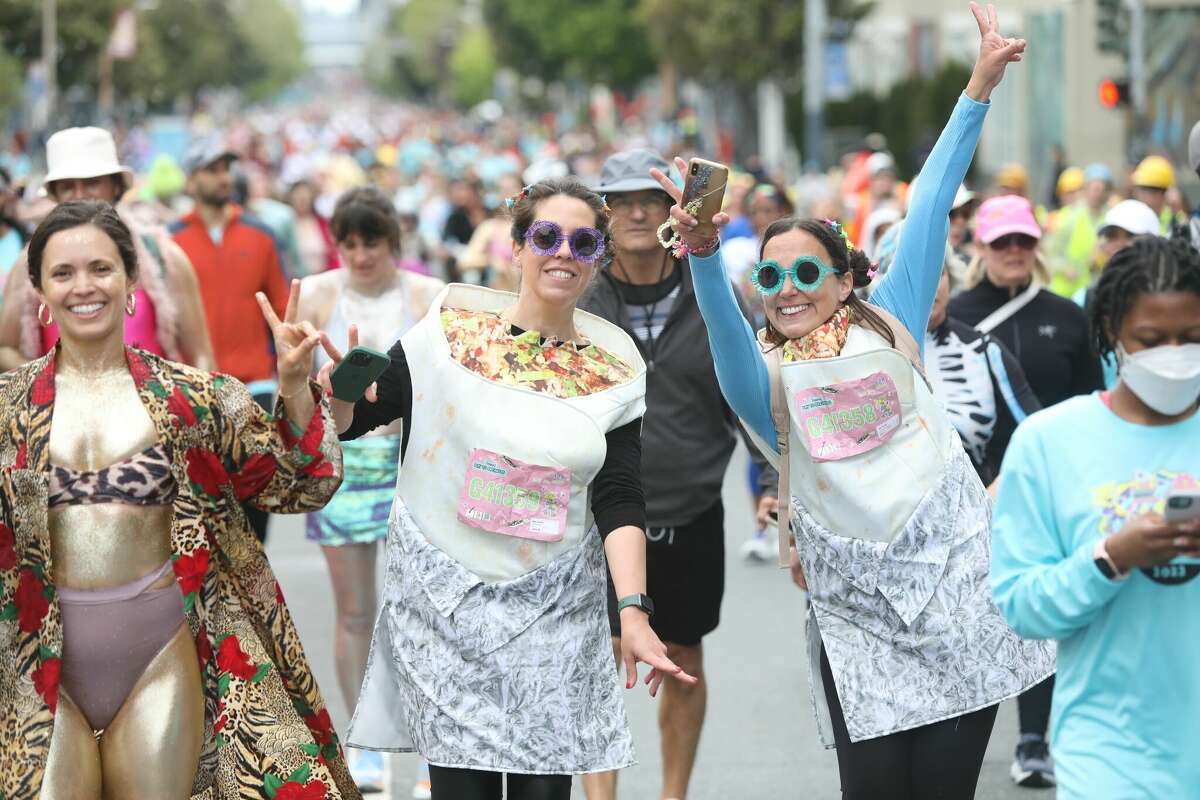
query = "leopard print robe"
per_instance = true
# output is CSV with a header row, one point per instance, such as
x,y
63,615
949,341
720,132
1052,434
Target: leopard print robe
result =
x,y
267,732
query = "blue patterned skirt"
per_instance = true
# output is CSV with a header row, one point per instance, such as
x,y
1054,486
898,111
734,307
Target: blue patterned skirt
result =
x,y
358,513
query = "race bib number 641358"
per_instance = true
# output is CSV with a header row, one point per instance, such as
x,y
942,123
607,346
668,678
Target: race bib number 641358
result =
x,y
848,418
503,495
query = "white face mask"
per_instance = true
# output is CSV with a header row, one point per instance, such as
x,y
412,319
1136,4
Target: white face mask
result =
x,y
1166,378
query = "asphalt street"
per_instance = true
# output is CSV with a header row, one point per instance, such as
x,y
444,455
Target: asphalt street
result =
x,y
760,738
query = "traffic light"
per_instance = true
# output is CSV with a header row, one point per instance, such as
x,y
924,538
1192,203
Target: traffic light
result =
x,y
1114,93
1112,27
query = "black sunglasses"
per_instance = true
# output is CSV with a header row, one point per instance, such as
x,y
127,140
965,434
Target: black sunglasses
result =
x,y
1021,240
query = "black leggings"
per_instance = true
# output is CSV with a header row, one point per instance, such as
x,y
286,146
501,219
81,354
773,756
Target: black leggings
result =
x,y
475,784
1033,707
940,761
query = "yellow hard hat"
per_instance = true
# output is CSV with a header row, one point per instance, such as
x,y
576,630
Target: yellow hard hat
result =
x,y
1012,176
1155,172
1071,180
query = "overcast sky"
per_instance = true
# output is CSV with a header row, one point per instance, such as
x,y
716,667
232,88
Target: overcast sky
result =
x,y
331,6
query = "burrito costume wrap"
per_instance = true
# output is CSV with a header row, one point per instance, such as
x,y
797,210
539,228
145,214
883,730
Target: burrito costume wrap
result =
x,y
492,651
892,527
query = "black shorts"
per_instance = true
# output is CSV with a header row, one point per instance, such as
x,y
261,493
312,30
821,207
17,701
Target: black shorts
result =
x,y
685,577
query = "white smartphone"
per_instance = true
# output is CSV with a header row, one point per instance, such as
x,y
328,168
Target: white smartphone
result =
x,y
1182,506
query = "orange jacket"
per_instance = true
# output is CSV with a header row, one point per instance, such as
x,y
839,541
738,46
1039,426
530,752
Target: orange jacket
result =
x,y
246,261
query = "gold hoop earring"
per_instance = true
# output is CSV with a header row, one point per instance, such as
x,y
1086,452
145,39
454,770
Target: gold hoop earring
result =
x,y
48,321
131,305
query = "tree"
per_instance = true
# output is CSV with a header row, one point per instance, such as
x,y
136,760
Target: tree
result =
x,y
427,31
911,115
473,66
601,40
11,81
269,34
184,46
83,28
742,42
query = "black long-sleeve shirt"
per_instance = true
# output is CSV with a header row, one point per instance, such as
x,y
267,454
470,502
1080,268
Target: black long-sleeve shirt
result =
x,y
617,498
1049,337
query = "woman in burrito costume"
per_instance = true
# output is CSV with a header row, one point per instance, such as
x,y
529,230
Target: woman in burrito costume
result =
x,y
520,456
908,655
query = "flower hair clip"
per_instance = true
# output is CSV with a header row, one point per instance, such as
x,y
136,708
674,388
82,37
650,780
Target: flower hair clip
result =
x,y
604,199
873,271
837,228
509,202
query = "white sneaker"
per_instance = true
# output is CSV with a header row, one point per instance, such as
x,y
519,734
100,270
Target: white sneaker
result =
x,y
758,547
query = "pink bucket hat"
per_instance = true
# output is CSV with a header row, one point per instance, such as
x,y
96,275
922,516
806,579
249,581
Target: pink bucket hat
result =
x,y
1003,215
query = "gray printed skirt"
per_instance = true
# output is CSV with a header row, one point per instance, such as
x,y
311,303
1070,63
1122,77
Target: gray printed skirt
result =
x,y
516,676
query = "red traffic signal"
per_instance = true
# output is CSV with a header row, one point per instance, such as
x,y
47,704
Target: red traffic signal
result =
x,y
1114,93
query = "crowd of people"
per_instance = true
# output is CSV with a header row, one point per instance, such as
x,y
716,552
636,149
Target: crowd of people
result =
x,y
968,413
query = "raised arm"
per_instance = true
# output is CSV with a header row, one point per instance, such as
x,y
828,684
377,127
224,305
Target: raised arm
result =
x,y
739,361
908,288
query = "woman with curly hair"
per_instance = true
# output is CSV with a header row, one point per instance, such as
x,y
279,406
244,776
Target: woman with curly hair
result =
x,y
1083,553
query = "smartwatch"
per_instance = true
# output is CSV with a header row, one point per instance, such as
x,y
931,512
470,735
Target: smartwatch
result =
x,y
637,601
1105,564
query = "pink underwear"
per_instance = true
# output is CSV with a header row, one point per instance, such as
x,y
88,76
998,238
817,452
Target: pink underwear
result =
x,y
110,636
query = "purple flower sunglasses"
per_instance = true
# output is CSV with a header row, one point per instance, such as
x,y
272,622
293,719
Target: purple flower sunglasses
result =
x,y
545,238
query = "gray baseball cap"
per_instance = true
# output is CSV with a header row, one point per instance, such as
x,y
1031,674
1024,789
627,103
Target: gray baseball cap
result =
x,y
1194,148
629,171
205,152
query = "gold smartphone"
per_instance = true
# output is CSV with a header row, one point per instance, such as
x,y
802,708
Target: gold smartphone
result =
x,y
705,181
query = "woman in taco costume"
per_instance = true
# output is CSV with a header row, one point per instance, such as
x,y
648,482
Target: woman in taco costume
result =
x,y
908,655
518,477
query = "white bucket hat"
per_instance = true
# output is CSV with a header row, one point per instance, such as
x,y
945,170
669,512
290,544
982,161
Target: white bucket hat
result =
x,y
76,153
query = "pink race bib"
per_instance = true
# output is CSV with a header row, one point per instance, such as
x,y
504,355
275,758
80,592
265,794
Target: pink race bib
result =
x,y
849,418
506,496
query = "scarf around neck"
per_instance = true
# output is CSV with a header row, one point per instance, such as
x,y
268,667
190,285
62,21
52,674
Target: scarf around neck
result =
x,y
826,341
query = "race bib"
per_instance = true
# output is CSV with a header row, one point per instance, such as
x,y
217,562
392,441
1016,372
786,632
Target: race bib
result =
x,y
849,418
506,496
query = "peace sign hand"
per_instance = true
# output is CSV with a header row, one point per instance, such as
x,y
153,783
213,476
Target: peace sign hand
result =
x,y
295,342
995,53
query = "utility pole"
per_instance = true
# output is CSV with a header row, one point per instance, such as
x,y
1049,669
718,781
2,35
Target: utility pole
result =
x,y
1137,58
50,56
815,23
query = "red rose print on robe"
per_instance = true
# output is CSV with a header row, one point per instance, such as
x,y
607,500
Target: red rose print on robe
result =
x,y
8,555
206,471
233,659
30,598
321,727
191,569
179,406
313,790
45,680
255,473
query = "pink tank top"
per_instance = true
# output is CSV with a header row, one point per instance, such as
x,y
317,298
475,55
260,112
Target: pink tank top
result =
x,y
141,330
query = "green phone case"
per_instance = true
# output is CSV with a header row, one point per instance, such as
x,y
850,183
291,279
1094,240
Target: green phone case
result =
x,y
358,370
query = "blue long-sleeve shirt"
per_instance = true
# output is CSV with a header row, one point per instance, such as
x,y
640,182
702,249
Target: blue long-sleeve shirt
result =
x,y
907,290
1126,711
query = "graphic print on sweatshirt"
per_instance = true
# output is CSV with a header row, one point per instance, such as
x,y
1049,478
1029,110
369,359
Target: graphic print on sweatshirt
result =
x,y
1146,493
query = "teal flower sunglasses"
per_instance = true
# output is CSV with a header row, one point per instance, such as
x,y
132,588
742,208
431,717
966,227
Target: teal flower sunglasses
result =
x,y
807,273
